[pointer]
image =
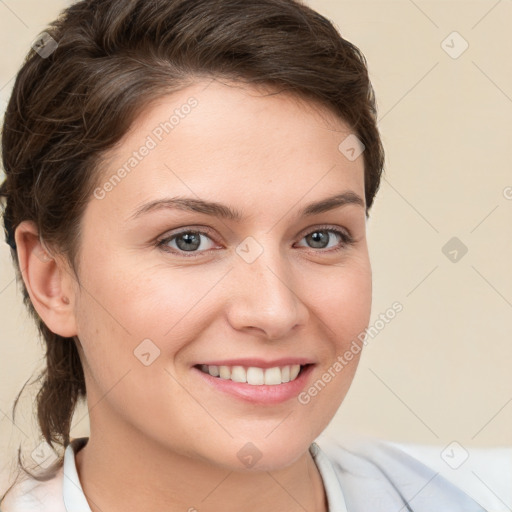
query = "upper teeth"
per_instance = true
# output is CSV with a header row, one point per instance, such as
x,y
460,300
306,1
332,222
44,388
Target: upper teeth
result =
x,y
253,375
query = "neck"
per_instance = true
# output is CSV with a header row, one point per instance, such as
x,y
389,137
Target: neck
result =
x,y
132,472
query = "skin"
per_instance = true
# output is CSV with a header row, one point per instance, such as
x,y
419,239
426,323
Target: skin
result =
x,y
160,439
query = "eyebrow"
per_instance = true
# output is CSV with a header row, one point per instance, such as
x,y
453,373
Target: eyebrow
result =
x,y
220,210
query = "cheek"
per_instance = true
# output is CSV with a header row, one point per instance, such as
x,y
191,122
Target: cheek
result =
x,y
342,302
126,296
342,298
126,310
355,304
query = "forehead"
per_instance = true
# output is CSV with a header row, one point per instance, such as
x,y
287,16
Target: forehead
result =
x,y
212,138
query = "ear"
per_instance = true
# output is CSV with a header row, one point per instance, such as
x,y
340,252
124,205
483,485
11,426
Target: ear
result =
x,y
48,280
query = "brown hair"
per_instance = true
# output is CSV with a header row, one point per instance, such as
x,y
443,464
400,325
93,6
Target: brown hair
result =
x,y
103,62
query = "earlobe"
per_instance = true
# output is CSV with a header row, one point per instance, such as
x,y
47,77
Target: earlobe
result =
x,y
48,282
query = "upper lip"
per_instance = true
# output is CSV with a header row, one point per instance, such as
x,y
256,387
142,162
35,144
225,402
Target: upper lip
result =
x,y
259,363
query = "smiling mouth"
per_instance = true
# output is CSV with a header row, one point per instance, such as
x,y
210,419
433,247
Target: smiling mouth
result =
x,y
254,375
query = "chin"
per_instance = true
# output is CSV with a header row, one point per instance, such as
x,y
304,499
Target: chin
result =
x,y
264,454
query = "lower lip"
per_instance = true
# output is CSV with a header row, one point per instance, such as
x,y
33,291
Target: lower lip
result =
x,y
262,395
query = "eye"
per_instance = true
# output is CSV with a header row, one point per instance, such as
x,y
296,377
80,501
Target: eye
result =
x,y
320,238
186,241
192,241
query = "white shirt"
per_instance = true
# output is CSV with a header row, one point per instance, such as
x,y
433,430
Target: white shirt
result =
x,y
377,477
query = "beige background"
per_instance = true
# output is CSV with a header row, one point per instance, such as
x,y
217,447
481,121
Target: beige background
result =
x,y
440,371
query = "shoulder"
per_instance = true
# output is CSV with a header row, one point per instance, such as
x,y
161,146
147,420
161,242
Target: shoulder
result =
x,y
29,494
378,475
59,491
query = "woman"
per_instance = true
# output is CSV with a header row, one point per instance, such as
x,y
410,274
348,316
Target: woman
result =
x,y
188,184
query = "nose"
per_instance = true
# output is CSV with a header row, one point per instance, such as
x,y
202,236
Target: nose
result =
x,y
265,296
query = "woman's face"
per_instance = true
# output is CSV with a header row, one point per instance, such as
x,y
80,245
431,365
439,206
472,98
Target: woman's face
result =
x,y
166,289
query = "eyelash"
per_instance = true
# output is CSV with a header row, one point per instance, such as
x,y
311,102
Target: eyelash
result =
x,y
346,241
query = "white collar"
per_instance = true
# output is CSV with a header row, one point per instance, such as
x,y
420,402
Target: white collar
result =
x,y
332,486
73,494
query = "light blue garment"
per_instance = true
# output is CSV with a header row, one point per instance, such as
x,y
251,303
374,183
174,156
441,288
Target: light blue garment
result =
x,y
374,477
377,477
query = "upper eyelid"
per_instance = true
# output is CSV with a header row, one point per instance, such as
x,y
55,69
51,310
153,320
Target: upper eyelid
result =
x,y
201,230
